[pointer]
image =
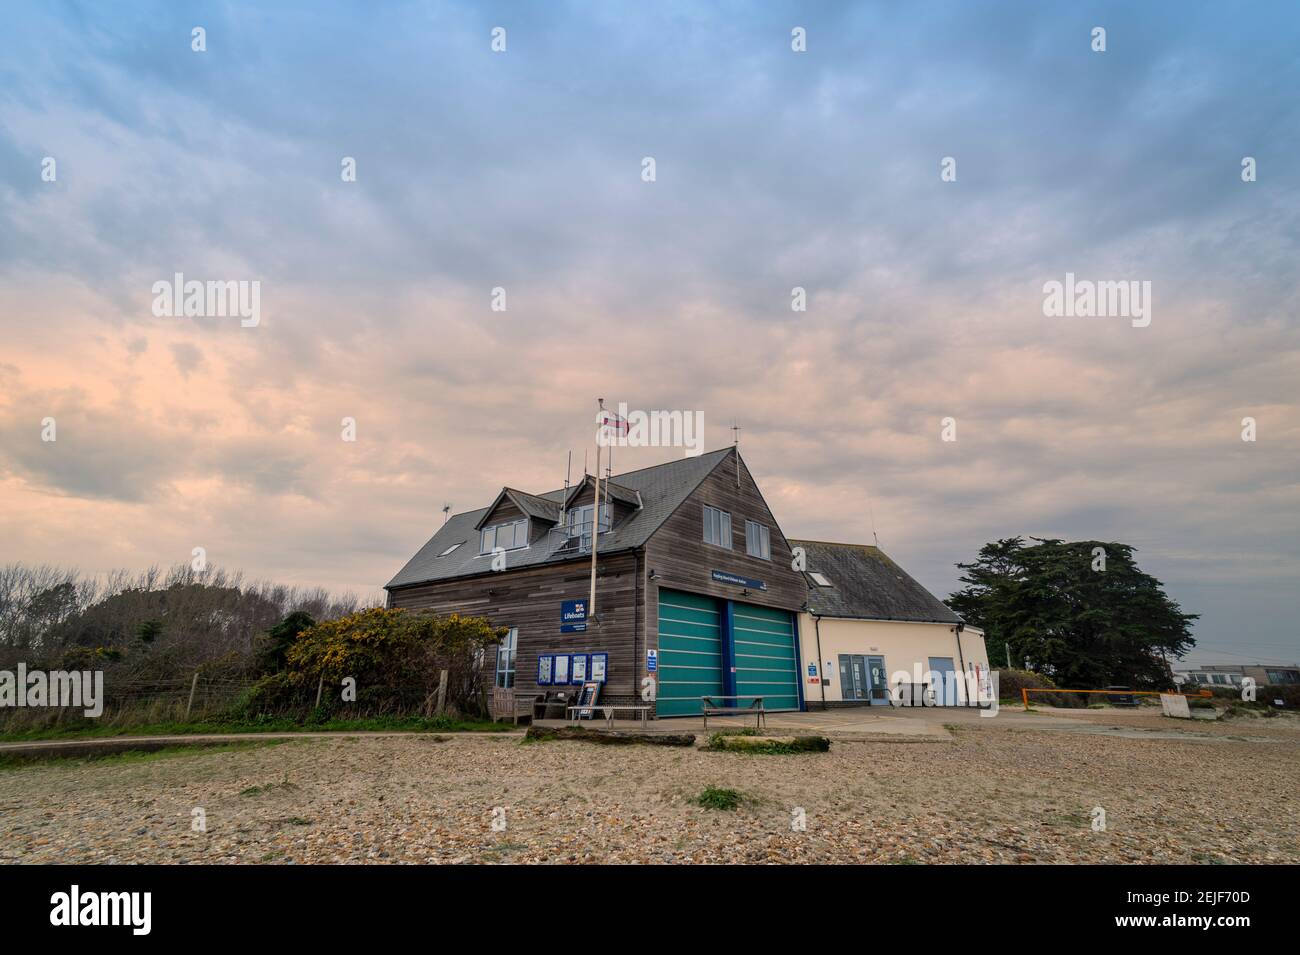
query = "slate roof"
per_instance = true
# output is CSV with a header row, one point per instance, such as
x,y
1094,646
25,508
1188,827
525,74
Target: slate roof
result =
x,y
660,490
866,584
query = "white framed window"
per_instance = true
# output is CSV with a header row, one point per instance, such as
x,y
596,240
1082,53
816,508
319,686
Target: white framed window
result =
x,y
717,527
819,579
509,536
507,652
578,521
758,540
451,548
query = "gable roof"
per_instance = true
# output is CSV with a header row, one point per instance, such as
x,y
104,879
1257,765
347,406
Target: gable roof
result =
x,y
660,490
616,491
866,584
529,504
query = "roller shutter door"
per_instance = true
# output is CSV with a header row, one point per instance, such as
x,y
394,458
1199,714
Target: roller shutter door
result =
x,y
766,661
690,652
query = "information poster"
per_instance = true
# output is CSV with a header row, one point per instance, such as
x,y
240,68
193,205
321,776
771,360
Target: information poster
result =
x,y
561,669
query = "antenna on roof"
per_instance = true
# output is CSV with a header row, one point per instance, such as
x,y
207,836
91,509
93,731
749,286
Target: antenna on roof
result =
x,y
735,443
568,466
446,513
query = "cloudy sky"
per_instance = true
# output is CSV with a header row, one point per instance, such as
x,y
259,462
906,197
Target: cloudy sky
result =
x,y
523,170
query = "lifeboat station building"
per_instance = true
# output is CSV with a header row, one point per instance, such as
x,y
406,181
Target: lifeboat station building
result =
x,y
696,592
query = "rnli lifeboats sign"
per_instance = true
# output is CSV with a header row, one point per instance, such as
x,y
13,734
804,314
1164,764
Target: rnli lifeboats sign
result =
x,y
573,616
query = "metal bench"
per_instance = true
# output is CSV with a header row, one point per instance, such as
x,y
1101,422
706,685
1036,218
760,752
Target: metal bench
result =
x,y
709,706
607,710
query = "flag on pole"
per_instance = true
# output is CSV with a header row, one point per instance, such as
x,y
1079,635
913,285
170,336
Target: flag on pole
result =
x,y
612,423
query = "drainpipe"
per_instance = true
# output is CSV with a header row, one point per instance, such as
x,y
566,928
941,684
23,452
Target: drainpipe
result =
x,y
821,664
960,658
638,617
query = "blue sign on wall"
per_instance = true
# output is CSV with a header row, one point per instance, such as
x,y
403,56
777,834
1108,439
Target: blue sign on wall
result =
x,y
722,577
573,616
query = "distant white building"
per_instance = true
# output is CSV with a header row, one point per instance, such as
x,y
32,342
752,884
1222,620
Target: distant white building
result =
x,y
1230,674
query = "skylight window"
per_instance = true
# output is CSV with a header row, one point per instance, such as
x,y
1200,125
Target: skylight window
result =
x,y
819,579
451,548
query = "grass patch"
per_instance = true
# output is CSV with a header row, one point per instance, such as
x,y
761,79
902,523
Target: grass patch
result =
x,y
404,724
1068,820
20,760
283,784
715,798
781,746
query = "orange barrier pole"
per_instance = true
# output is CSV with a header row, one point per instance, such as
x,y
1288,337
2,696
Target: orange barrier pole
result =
x,y
1024,693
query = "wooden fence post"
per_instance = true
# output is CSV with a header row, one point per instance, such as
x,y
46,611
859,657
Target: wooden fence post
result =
x,y
194,685
442,692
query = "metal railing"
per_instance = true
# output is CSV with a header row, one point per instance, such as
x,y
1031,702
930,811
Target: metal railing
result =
x,y
576,536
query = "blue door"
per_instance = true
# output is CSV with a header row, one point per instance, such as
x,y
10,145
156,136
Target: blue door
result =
x,y
943,681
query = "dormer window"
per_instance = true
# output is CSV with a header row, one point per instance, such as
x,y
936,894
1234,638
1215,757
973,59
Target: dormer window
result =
x,y
509,536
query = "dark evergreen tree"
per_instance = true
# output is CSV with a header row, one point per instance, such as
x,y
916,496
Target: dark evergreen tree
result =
x,y
1051,602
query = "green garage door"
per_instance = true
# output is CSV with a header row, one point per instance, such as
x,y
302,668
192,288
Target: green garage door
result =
x,y
690,652
766,662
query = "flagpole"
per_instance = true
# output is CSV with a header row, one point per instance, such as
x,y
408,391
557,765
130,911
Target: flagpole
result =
x,y
595,514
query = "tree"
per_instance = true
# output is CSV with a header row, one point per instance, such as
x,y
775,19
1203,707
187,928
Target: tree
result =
x,y
271,648
1081,612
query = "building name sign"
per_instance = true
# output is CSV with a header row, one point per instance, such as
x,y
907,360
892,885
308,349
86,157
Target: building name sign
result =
x,y
722,577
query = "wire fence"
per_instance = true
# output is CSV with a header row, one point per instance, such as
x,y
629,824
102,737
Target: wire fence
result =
x,y
201,698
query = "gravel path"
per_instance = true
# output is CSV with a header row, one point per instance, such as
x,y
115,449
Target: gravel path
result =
x,y
985,796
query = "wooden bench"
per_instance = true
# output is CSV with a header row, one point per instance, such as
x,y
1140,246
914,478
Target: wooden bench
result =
x,y
506,704
709,706
607,710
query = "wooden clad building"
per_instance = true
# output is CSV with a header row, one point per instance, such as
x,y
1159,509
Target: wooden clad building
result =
x,y
695,589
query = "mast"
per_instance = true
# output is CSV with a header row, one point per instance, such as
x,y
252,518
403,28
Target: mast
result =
x,y
595,511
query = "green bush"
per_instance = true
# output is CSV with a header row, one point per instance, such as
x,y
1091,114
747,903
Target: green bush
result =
x,y
1288,693
395,657
1011,682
